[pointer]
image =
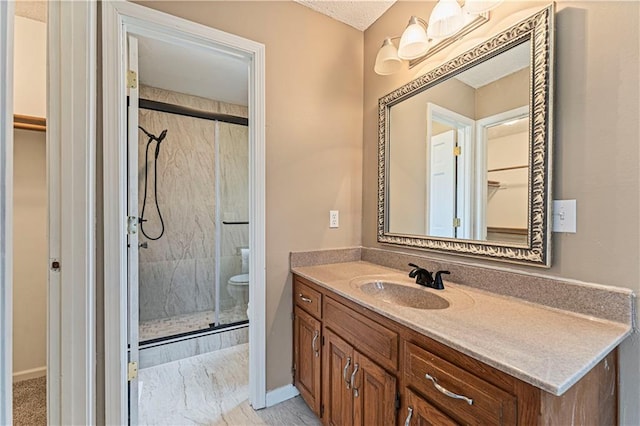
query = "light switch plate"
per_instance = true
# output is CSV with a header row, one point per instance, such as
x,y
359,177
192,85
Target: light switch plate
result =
x,y
564,216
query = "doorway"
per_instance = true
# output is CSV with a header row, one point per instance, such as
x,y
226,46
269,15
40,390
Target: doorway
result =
x,y
141,127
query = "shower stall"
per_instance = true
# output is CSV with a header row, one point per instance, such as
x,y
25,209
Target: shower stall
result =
x,y
193,190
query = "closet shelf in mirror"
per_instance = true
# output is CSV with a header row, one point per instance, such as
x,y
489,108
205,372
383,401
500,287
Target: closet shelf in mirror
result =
x,y
502,169
28,122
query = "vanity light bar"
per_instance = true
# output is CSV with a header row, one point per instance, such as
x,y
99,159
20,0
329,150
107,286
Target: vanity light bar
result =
x,y
447,23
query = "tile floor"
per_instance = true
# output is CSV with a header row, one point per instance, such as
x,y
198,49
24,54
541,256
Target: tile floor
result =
x,y
170,326
210,389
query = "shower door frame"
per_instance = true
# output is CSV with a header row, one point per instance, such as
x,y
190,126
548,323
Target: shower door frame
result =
x,y
119,19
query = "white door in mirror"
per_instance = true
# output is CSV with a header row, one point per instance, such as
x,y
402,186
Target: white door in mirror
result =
x,y
564,216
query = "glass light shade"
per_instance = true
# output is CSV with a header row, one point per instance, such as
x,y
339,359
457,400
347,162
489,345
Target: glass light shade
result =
x,y
414,41
387,60
446,19
476,7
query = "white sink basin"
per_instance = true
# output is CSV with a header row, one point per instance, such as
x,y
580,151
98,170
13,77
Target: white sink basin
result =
x,y
403,295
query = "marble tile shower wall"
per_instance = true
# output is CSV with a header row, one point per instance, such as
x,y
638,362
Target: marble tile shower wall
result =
x,y
177,272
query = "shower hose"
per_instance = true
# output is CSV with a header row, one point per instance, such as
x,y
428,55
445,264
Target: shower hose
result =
x,y
158,140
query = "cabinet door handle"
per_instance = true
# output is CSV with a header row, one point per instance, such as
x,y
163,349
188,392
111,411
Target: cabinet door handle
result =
x,y
407,421
448,392
304,298
356,391
344,372
316,334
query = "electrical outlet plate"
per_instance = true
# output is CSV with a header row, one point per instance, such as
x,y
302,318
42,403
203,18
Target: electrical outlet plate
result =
x,y
564,216
334,219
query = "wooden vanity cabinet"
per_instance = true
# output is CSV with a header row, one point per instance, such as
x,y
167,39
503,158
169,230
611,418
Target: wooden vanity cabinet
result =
x,y
374,371
357,391
420,413
307,341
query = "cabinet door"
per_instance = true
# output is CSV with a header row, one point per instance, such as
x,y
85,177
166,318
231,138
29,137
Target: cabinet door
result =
x,y
374,393
306,344
421,413
337,366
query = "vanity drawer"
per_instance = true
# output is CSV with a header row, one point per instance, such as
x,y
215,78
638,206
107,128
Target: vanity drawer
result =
x,y
367,336
307,298
489,404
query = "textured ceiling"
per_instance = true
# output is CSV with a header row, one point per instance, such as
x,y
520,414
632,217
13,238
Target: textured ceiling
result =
x,y
506,63
358,14
36,10
196,72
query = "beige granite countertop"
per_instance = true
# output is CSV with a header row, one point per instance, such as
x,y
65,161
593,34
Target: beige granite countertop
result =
x,y
548,348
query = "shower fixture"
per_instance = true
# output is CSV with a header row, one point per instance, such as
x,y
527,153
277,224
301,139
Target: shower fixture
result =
x,y
141,219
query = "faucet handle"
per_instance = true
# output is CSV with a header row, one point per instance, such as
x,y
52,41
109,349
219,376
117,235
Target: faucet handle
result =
x,y
414,271
438,284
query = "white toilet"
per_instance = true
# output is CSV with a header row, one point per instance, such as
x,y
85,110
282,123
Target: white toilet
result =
x,y
238,285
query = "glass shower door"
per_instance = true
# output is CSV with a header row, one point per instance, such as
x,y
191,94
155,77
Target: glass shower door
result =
x,y
232,280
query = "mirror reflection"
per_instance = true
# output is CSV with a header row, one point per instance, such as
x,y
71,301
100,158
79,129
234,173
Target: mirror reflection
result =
x,y
458,154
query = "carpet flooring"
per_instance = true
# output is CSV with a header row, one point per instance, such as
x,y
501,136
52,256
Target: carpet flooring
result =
x,y
30,402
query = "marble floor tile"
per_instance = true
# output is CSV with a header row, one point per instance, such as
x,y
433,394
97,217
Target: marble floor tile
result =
x,y
210,389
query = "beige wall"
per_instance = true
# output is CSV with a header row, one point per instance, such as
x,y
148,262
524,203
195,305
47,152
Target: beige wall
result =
x,y
510,92
30,64
313,139
596,153
29,255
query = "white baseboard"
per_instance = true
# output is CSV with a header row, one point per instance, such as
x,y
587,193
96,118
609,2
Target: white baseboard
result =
x,y
279,395
19,376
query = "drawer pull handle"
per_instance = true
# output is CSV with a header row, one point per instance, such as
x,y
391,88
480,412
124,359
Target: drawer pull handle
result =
x,y
407,421
448,392
344,372
316,334
356,392
304,298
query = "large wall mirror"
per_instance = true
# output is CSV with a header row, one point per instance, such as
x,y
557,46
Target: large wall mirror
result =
x,y
465,151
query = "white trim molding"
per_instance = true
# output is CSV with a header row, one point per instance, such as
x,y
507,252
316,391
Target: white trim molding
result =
x,y
119,19
31,373
71,142
281,394
6,210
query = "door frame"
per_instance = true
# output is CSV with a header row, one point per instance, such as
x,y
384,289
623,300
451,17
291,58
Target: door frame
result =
x,y
6,211
118,19
481,178
71,181
464,180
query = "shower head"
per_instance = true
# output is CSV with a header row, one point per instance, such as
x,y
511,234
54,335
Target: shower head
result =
x,y
162,136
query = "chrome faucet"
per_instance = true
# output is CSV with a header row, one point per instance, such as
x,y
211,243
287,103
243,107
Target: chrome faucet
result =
x,y
425,278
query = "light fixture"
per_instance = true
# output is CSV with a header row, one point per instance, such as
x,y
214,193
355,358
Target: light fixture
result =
x,y
414,41
387,60
476,7
446,19
419,38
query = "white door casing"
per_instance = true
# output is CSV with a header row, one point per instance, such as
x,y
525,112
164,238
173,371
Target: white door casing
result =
x,y
71,161
6,209
119,20
481,176
133,215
